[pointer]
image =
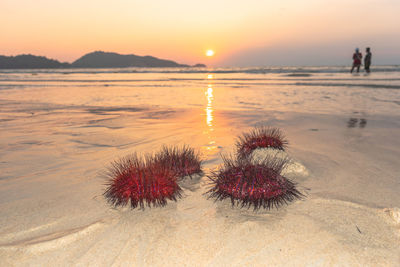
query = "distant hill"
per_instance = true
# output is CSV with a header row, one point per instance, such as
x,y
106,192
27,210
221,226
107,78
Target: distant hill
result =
x,y
30,62
110,60
96,59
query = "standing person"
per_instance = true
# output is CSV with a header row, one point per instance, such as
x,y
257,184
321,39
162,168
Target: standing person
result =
x,y
367,59
357,56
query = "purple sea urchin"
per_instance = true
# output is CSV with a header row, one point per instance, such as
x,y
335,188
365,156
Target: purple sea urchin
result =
x,y
183,160
257,184
260,137
141,181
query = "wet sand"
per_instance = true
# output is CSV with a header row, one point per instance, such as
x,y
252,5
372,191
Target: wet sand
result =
x,y
56,143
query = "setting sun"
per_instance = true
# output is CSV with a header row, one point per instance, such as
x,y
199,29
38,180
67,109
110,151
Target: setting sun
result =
x,y
209,53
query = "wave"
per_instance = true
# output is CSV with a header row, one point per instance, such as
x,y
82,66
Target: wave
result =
x,y
292,71
239,79
376,86
236,84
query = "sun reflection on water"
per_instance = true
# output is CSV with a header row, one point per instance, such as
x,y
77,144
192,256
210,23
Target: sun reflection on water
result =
x,y
209,109
210,147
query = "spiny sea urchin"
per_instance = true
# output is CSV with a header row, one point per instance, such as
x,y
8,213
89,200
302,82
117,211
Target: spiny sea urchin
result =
x,y
249,183
141,181
260,137
185,161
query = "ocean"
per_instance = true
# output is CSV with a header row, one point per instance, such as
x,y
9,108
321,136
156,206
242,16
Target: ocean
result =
x,y
316,89
108,102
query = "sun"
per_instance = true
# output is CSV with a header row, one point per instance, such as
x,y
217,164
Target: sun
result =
x,y
209,53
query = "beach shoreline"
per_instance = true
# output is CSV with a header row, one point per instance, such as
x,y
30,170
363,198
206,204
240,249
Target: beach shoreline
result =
x,y
55,151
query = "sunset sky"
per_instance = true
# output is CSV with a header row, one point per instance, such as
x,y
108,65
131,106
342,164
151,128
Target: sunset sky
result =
x,y
242,33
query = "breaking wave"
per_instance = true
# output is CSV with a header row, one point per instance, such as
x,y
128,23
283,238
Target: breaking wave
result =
x,y
291,71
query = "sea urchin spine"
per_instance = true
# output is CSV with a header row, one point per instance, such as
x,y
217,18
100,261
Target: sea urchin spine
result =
x,y
141,181
257,184
185,161
260,137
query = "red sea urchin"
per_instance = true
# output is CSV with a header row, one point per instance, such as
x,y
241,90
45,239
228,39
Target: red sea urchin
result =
x,y
259,184
260,137
141,181
183,160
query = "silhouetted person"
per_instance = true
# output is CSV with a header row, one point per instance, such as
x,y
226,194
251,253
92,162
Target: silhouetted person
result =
x,y
367,59
357,56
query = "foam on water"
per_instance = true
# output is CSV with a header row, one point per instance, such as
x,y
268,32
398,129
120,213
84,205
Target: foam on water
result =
x,y
292,71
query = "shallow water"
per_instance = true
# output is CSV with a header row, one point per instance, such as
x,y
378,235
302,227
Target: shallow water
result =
x,y
106,109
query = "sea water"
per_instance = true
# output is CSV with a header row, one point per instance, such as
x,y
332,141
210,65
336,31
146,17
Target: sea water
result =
x,y
309,89
135,109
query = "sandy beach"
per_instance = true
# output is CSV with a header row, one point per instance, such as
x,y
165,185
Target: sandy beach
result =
x,y
61,129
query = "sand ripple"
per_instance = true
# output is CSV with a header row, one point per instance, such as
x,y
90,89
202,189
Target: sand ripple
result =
x,y
54,240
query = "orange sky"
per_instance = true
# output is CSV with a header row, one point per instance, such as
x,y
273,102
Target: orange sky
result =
x,y
183,30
